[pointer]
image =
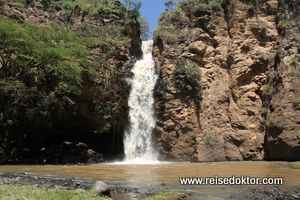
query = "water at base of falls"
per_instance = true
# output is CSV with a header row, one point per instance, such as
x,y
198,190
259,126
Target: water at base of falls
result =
x,y
138,143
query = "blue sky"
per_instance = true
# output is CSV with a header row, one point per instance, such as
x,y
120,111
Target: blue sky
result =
x,y
151,10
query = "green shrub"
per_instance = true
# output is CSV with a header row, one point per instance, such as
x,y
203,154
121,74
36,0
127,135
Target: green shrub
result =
x,y
111,35
191,6
270,57
170,34
103,9
175,15
286,23
17,3
215,5
69,7
172,17
201,6
46,3
264,111
187,76
207,139
91,8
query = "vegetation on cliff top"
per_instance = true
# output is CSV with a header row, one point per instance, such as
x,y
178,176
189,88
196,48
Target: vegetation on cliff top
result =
x,y
96,9
57,53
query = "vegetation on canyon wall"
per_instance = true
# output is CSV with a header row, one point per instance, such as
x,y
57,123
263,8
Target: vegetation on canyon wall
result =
x,y
61,70
187,76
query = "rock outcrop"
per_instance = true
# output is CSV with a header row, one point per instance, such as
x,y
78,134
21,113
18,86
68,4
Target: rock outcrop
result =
x,y
102,188
242,52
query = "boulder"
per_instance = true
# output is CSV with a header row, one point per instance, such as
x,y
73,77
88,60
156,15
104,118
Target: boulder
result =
x,y
102,188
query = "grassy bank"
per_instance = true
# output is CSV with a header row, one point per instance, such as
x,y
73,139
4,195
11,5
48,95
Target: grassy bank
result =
x,y
36,193
31,192
294,165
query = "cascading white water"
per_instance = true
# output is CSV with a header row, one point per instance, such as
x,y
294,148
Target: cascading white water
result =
x,y
138,141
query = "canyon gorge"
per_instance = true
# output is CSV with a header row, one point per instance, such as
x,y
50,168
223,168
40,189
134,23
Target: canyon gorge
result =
x,y
228,85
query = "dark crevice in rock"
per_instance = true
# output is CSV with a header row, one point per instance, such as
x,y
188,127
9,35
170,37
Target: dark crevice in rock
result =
x,y
227,13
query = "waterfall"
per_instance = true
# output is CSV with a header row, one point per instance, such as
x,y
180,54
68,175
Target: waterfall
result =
x,y
138,141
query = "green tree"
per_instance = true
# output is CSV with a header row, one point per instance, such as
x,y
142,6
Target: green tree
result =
x,y
133,8
52,50
132,13
144,28
170,5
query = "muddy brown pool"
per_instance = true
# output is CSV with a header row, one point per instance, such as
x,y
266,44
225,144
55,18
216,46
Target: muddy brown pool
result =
x,y
165,175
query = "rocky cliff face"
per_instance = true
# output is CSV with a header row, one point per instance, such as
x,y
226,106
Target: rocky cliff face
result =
x,y
45,125
282,138
247,105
